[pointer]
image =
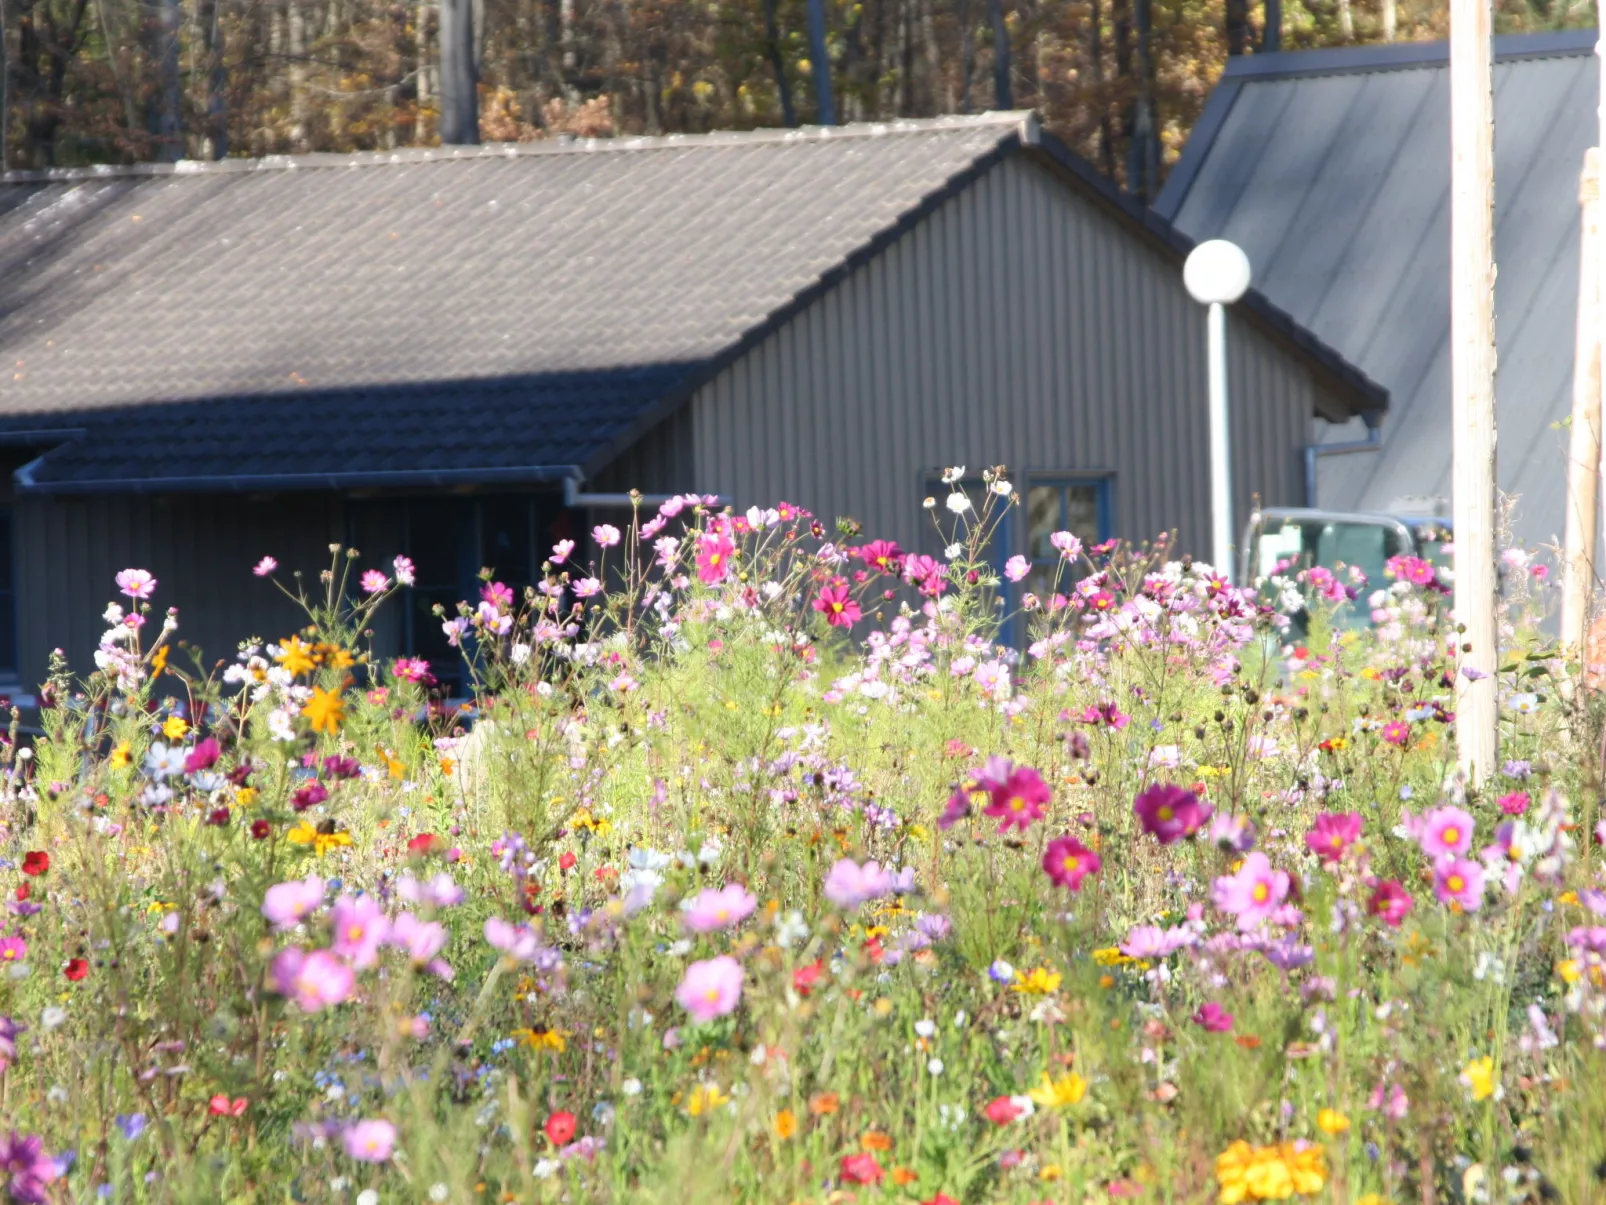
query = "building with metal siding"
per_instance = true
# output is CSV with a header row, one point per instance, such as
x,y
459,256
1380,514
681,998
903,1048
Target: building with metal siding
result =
x,y
446,354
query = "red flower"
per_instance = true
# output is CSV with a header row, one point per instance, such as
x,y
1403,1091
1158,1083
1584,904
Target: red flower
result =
x,y
424,843
861,1169
35,861
1002,1111
260,829
221,1106
24,890
567,860
941,1198
76,969
560,1128
804,978
219,817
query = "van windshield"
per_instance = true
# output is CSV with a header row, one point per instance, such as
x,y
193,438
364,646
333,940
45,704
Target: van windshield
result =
x,y
1284,546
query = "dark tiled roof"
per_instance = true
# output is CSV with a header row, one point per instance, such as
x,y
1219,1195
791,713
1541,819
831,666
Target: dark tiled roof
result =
x,y
484,313
1332,170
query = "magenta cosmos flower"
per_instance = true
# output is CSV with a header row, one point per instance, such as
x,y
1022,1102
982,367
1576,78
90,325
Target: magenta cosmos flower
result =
x,y
712,988
26,1168
287,904
838,607
370,1141
1397,732
136,583
1213,1018
1067,862
1254,892
849,885
314,981
1458,882
373,581
360,928
1333,833
1019,799
12,949
1390,902
1170,812
710,909
1446,830
714,555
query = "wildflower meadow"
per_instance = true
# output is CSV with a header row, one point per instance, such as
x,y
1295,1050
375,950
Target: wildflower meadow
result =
x,y
759,867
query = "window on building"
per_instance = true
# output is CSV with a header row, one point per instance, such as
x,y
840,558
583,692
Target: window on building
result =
x,y
1079,506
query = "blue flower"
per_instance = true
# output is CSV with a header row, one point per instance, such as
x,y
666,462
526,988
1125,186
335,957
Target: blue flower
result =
x,y
131,1124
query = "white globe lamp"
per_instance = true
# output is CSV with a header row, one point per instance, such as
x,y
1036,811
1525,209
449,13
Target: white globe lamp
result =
x,y
1216,272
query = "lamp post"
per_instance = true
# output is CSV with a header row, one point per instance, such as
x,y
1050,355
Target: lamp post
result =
x,y
1217,274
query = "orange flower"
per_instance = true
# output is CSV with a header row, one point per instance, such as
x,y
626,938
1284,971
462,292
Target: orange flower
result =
x,y
785,1124
822,1104
875,1140
1248,1041
904,1175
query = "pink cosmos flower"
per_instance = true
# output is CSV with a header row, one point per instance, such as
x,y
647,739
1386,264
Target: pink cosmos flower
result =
x,y
360,928
1515,804
1151,941
518,942
884,555
287,904
136,583
1397,732
1458,882
1070,547
839,607
421,941
1446,830
710,909
1213,1018
204,756
711,988
587,587
1252,894
373,581
1019,799
714,555
265,566
956,809
605,534
1016,568
314,981
412,669
438,892
1067,862
369,1141
1332,834
561,551
849,885
406,573
1232,832
1170,812
12,949
1390,902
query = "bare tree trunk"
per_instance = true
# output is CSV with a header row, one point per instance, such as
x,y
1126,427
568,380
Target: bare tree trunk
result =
x,y
162,115
1583,461
296,20
772,48
1472,377
1096,57
1346,20
215,143
1390,20
933,56
1003,93
967,55
460,120
1271,35
1238,25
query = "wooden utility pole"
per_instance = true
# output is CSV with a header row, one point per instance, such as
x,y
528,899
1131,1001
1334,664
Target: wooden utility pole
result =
x,y
1583,459
1472,370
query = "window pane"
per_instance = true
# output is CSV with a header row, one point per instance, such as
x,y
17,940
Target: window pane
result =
x,y
1042,520
1082,513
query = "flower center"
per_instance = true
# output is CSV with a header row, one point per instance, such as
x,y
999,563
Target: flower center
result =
x,y
712,995
1450,835
1456,883
354,933
1018,804
1071,862
1261,893
1166,813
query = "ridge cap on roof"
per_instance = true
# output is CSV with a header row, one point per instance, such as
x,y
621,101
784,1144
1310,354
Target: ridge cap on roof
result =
x,y
1399,56
1006,121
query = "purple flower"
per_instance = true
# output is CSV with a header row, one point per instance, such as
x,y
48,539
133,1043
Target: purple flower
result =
x,y
1170,812
287,904
713,909
360,927
849,885
712,988
369,1141
1235,834
131,1124
1252,894
958,807
27,1168
1288,954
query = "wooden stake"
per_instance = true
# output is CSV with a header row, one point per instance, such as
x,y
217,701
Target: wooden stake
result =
x,y
1472,370
1583,460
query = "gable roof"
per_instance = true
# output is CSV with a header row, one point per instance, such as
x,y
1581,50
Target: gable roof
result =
x,y
496,313
1332,170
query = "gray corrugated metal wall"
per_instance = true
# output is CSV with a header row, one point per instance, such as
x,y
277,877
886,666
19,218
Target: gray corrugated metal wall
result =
x,y
200,548
1019,324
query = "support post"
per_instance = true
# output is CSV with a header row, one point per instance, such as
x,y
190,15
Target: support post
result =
x,y
1220,447
1583,459
1472,374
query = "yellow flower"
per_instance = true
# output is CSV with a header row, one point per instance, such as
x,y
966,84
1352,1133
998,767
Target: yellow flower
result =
x,y
1372,1198
1061,1093
245,796
785,1124
1038,982
1331,1121
122,756
1215,771
1051,1171
705,1098
543,1039
159,661
325,710
1567,897
1479,1076
295,657
321,842
1109,956
1569,970
1270,1173
393,767
333,656
174,727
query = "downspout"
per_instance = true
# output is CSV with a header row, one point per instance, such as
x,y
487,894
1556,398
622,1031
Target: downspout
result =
x,y
1373,441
